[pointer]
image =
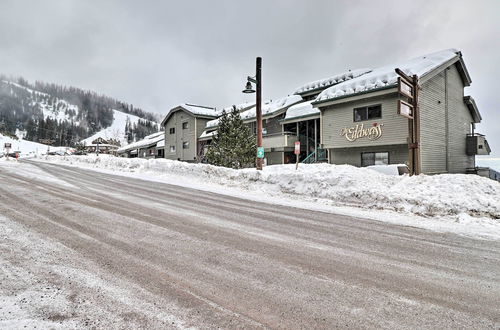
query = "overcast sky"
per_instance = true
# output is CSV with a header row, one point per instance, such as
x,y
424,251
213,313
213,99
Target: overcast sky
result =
x,y
156,54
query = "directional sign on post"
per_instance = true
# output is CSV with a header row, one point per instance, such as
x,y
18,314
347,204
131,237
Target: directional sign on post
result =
x,y
260,152
7,145
405,88
297,148
405,109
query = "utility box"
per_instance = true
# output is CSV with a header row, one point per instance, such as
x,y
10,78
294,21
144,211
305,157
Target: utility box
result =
x,y
477,145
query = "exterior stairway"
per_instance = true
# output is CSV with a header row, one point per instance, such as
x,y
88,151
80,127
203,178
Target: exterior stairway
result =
x,y
311,158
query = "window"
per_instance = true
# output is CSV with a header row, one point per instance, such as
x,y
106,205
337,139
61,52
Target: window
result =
x,y
374,158
367,113
185,125
172,148
185,145
172,130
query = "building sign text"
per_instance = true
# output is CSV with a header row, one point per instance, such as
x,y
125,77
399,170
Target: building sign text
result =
x,y
359,131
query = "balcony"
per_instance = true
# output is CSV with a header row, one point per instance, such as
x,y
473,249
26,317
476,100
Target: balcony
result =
x,y
477,145
279,141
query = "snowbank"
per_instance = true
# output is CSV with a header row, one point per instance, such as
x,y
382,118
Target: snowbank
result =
x,y
448,195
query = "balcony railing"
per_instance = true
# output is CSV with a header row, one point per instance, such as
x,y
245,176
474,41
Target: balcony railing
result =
x,y
279,140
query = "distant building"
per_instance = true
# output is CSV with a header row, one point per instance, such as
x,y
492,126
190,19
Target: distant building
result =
x,y
183,125
152,146
103,146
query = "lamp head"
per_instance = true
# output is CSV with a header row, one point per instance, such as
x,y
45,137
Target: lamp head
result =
x,y
248,88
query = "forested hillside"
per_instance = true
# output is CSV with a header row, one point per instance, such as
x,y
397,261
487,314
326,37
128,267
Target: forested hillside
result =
x,y
64,114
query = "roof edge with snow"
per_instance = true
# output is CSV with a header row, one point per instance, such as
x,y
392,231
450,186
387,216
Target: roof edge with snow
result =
x,y
351,89
474,111
187,107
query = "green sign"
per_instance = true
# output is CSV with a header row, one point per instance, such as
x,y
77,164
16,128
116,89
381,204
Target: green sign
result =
x,y
260,152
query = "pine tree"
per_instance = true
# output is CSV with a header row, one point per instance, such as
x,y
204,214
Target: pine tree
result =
x,y
234,144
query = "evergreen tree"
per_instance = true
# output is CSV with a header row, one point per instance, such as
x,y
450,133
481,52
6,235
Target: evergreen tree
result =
x,y
234,144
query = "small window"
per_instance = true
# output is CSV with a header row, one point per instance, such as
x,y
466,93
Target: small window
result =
x,y
185,145
374,158
368,113
172,148
185,125
172,130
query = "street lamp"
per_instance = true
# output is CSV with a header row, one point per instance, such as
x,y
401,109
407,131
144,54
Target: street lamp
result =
x,y
257,80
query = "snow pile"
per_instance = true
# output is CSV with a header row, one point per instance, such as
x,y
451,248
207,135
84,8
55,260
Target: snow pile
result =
x,y
301,110
117,130
386,76
340,185
327,82
268,108
152,139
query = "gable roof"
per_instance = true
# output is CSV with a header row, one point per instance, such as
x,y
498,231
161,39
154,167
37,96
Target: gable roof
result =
x,y
386,77
193,109
327,82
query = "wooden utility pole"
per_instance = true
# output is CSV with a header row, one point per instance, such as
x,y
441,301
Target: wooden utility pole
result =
x,y
408,87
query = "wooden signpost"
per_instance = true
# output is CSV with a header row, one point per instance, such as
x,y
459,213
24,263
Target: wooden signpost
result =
x,y
408,88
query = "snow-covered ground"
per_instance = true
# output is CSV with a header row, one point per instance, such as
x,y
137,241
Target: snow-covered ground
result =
x,y
463,204
26,148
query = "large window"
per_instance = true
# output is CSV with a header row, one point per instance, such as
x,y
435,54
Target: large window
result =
x,y
172,130
374,158
185,125
368,113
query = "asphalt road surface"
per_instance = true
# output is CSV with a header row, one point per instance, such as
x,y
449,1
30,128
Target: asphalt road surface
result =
x,y
105,251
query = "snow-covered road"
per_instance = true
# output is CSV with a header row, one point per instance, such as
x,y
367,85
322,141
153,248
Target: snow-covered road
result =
x,y
83,249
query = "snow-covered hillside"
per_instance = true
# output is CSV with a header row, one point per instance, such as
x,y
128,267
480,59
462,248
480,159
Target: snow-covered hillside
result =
x,y
117,130
52,107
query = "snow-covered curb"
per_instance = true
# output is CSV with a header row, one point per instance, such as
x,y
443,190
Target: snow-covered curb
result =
x,y
453,197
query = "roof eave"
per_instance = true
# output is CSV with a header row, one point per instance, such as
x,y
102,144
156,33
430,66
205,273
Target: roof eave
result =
x,y
471,105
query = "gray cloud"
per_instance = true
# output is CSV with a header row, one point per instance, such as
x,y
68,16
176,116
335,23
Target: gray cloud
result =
x,y
156,54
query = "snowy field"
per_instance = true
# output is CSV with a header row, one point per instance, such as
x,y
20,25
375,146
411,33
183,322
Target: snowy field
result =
x,y
464,204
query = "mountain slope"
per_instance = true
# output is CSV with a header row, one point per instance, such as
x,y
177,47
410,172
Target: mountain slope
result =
x,y
68,115
118,129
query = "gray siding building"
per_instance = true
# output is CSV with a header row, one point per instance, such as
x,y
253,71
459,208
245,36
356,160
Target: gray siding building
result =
x,y
183,125
360,124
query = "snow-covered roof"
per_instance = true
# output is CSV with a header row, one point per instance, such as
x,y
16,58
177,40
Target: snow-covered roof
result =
x,y
327,82
195,110
299,110
149,140
268,108
207,135
239,107
200,110
386,76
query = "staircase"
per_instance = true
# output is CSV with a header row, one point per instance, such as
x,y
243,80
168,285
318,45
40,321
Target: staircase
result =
x,y
311,158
